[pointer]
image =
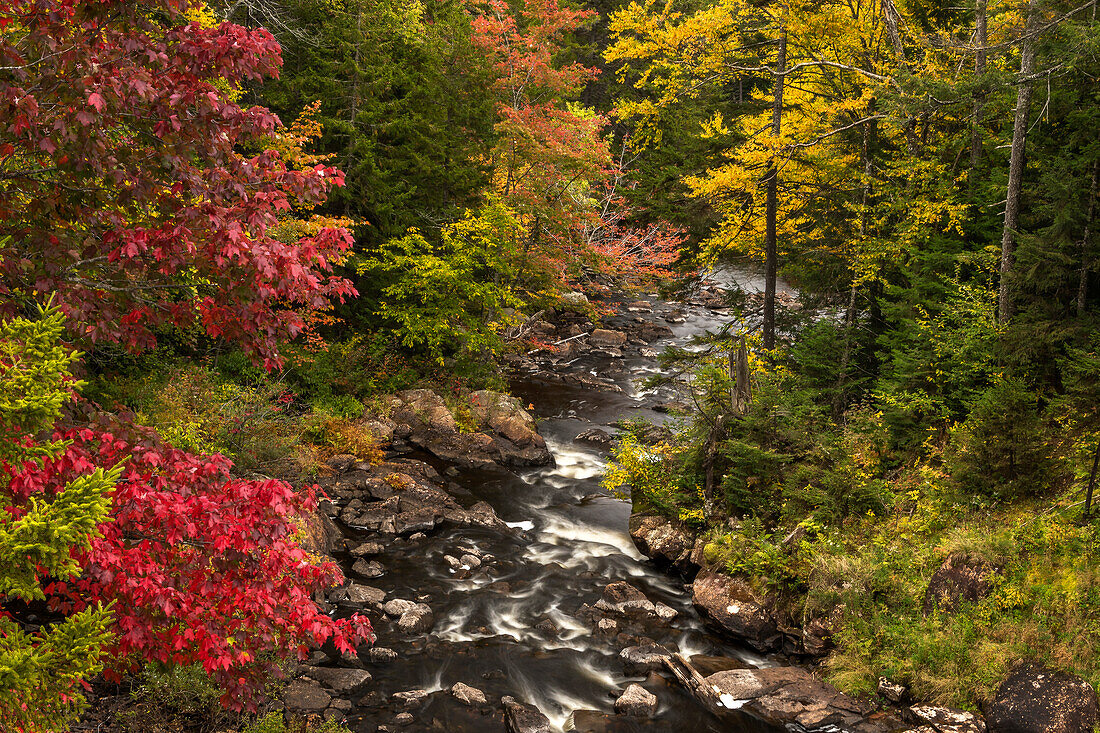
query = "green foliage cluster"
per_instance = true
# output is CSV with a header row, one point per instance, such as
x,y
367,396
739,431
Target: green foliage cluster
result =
x,y
43,665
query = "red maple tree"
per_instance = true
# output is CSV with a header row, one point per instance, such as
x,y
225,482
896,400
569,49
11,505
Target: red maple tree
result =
x,y
123,185
200,568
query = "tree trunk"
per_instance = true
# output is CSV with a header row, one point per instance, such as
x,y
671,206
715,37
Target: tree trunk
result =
x,y
1092,481
770,247
1016,165
980,39
1086,243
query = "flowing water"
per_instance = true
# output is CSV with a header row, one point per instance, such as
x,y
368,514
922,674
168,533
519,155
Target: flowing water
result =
x,y
513,630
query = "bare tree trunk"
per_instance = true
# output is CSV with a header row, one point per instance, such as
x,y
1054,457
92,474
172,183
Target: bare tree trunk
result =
x,y
1092,481
1016,164
1086,243
980,39
770,247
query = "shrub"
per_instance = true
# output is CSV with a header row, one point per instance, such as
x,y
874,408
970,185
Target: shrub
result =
x,y
44,533
1001,451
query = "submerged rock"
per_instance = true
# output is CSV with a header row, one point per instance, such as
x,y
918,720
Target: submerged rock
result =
x,y
731,606
637,701
1035,699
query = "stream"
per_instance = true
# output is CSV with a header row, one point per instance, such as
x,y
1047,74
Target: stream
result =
x,y
513,630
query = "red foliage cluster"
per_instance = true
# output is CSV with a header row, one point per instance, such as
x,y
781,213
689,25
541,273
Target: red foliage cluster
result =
x,y
201,568
125,189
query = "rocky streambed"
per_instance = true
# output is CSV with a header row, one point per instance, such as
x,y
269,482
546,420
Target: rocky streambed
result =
x,y
510,592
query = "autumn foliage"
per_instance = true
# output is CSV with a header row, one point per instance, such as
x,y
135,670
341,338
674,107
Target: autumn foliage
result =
x,y
200,568
124,188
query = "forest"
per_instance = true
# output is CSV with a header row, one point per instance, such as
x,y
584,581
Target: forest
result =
x,y
297,295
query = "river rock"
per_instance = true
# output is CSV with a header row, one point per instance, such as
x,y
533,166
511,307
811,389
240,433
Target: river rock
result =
x,y
381,655
783,696
469,695
319,533
576,301
523,718
637,701
597,437
416,620
934,719
638,660
959,580
410,698
730,605
368,568
605,338
302,696
340,680
397,607
367,549
364,594
1035,699
342,462
663,542
650,332
626,600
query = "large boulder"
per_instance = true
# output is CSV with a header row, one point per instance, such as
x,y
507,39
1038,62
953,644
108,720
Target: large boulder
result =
x,y
666,544
790,697
731,606
607,338
302,696
505,433
624,599
340,680
523,718
959,580
1035,699
319,533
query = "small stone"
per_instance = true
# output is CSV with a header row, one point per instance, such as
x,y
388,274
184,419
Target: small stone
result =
x,y
637,701
341,705
891,690
417,619
607,626
410,698
524,718
639,660
403,719
381,655
453,562
468,695
665,613
367,549
368,568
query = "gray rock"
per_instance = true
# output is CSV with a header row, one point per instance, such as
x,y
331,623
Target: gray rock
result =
x,y
522,718
604,337
945,720
469,695
410,698
305,697
340,680
367,549
596,436
368,568
381,655
416,620
1035,699
665,543
664,612
397,607
575,301
638,660
362,594
891,690
637,701
626,600
470,561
